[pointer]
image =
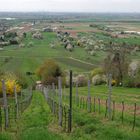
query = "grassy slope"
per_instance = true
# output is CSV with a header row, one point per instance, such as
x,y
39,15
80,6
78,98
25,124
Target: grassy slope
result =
x,y
37,123
30,58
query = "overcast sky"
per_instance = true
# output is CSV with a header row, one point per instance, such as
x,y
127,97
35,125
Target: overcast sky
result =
x,y
71,5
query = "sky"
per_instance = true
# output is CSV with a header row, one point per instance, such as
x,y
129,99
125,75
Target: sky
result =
x,y
71,5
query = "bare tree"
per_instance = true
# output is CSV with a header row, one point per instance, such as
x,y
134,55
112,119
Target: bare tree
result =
x,y
116,63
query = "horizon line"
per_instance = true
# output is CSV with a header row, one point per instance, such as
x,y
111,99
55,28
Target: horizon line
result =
x,y
96,12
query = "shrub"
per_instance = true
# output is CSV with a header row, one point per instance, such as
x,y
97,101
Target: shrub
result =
x,y
37,35
129,82
30,44
132,81
49,72
14,41
93,53
133,77
10,83
21,45
82,80
114,82
2,44
99,79
96,71
10,34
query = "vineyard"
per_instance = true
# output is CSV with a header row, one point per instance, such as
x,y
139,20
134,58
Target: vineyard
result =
x,y
90,114
124,114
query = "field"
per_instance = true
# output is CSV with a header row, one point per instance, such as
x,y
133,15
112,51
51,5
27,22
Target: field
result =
x,y
38,121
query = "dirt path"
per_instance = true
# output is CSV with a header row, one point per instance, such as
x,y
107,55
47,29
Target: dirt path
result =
x,y
82,61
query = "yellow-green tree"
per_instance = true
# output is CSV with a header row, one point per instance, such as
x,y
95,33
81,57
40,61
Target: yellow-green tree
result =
x,y
49,72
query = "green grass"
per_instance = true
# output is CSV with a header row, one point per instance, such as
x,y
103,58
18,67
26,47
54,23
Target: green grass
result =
x,y
94,126
37,123
119,94
29,59
33,123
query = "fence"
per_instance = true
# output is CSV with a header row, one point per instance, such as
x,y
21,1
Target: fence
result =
x,y
112,110
12,106
118,110
60,110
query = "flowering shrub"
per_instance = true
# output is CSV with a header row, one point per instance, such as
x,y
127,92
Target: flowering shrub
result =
x,y
114,82
97,71
10,83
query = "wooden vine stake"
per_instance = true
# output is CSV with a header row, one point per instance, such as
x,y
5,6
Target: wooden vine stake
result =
x,y
5,103
109,96
77,96
60,100
89,97
134,122
16,103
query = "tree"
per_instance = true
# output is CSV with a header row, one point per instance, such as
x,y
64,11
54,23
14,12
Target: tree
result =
x,y
49,72
116,63
24,35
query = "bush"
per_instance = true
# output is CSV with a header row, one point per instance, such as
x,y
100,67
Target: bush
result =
x,y
37,35
10,34
133,77
114,82
49,73
30,44
132,81
99,79
96,71
82,80
129,82
10,82
93,53
2,44
21,45
14,41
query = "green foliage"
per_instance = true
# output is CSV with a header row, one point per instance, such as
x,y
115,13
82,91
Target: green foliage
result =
x,y
129,82
99,79
14,41
82,80
22,80
5,136
116,63
10,34
132,81
49,72
96,71
91,128
30,44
